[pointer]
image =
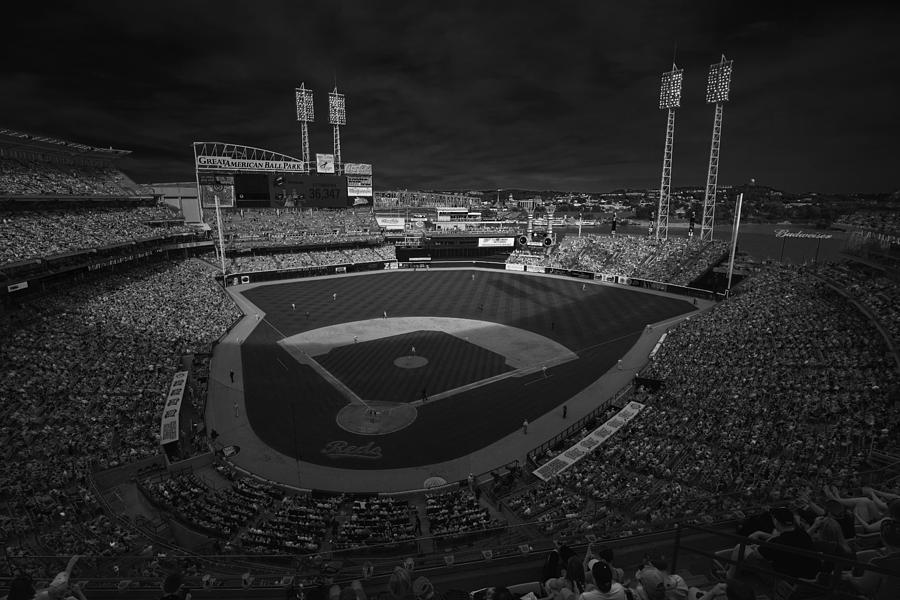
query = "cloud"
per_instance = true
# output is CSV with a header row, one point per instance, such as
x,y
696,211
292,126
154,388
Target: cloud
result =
x,y
560,95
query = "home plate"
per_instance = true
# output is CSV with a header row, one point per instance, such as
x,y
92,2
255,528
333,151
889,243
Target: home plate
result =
x,y
376,418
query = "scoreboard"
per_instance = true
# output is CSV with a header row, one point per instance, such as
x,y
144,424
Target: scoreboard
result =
x,y
235,176
308,190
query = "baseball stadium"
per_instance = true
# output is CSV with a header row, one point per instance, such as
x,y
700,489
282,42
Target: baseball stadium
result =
x,y
275,381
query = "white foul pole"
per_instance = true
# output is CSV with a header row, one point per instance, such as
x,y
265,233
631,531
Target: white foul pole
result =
x,y
734,237
221,240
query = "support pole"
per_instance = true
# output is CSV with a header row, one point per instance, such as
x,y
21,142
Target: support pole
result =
x,y
665,184
304,144
712,178
337,150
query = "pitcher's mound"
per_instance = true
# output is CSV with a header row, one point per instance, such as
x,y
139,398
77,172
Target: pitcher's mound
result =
x,y
410,362
378,418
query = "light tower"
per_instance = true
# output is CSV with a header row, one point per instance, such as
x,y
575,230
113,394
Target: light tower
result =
x,y
718,84
305,115
549,210
528,206
337,115
669,99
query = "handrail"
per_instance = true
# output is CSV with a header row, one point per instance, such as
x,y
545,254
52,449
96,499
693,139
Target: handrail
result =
x,y
839,561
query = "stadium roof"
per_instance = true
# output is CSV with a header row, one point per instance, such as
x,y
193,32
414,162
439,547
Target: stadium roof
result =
x,y
17,139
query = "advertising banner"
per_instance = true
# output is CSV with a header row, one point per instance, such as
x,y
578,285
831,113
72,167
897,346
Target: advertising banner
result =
x,y
535,268
581,274
569,457
502,242
359,185
212,185
514,267
325,163
224,163
168,429
391,223
650,285
357,169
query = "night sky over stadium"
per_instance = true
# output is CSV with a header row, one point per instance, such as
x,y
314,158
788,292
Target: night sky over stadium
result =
x,y
471,95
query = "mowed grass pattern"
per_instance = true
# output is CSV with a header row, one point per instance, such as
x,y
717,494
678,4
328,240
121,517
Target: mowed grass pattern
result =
x,y
293,409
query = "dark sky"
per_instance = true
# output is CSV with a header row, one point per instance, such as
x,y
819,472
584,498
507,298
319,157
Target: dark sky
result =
x,y
475,95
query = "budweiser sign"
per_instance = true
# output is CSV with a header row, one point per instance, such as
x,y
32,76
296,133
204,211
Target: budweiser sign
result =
x,y
786,233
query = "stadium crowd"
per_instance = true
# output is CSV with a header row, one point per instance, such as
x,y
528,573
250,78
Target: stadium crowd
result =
x,y
85,376
221,513
310,259
678,260
376,521
297,525
876,291
257,517
27,177
873,220
31,234
277,226
786,350
458,515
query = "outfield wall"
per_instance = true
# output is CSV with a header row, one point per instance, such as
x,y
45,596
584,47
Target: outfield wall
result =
x,y
342,269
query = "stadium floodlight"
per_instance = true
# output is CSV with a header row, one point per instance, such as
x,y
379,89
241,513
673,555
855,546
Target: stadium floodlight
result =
x,y
718,84
337,108
669,99
304,99
670,89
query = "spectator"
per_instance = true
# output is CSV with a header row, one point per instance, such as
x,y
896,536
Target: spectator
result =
x,y
602,586
575,575
174,589
651,584
783,561
20,588
733,589
870,510
400,584
605,554
879,586
501,593
827,530
553,588
422,589
674,585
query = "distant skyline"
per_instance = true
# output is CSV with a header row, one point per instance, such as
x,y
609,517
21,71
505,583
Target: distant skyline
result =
x,y
468,95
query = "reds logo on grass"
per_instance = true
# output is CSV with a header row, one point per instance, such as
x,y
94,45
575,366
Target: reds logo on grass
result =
x,y
341,449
